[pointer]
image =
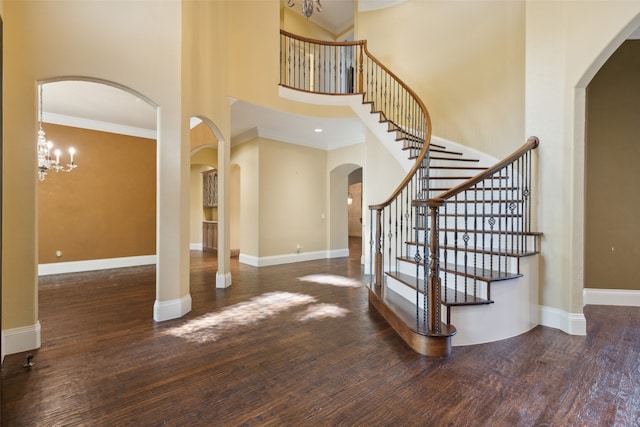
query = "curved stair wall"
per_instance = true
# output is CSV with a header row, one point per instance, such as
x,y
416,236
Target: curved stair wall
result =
x,y
452,243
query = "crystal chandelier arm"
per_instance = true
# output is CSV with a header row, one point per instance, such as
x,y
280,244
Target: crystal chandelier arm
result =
x,y
44,147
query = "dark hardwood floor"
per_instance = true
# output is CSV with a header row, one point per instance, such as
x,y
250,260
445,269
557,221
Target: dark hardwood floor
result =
x,y
297,345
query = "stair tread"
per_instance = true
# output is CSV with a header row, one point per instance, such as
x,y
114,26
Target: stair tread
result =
x,y
485,251
438,150
449,298
484,275
458,167
405,311
453,159
481,215
474,231
472,189
483,201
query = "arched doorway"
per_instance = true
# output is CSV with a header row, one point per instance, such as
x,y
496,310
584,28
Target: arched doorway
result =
x,y
110,197
209,151
345,210
611,229
354,209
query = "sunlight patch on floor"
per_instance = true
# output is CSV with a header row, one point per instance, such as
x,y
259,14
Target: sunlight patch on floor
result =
x,y
209,327
331,279
322,311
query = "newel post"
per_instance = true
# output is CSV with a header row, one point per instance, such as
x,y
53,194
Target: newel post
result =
x,y
433,291
360,71
378,272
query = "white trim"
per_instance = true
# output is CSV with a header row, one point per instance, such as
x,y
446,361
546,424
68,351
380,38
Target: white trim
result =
x,y
77,122
20,339
94,264
172,309
195,246
571,323
338,253
283,259
611,297
369,5
223,280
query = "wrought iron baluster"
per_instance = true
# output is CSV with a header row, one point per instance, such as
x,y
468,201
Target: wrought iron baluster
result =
x,y
492,223
511,207
475,240
519,205
445,250
501,230
371,253
456,244
465,238
484,220
389,236
397,205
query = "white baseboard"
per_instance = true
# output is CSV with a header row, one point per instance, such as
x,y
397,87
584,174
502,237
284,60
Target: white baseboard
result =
x,y
571,323
172,309
195,246
20,339
223,280
290,258
94,264
611,297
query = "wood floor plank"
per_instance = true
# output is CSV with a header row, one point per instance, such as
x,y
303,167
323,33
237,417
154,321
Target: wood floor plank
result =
x,y
104,362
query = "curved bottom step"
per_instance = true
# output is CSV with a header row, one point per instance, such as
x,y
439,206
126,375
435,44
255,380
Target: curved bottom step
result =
x,y
400,314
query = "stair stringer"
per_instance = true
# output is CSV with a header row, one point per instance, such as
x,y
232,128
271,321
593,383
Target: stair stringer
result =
x,y
371,121
363,112
513,312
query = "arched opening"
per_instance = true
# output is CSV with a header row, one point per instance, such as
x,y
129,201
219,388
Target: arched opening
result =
x,y
208,213
110,197
354,209
612,152
586,174
101,216
345,211
234,211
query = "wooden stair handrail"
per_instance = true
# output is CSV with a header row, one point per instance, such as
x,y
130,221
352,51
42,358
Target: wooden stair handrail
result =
x,y
423,108
532,143
361,43
427,137
328,43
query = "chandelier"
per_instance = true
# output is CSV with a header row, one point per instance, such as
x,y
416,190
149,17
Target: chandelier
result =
x,y
45,161
307,6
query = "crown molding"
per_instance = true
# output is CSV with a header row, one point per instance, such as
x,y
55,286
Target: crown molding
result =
x,y
60,119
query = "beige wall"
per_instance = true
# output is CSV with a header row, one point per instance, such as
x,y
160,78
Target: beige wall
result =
x,y
196,214
106,207
341,162
356,217
203,159
50,40
254,59
234,218
464,59
293,198
246,157
612,201
294,22
566,43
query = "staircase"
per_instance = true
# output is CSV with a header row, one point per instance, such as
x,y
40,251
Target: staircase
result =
x,y
457,230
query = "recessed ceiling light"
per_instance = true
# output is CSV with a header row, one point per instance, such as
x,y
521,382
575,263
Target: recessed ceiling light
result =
x,y
318,130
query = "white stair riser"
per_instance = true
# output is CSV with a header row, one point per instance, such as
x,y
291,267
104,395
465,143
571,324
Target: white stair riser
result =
x,y
487,261
409,293
496,242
